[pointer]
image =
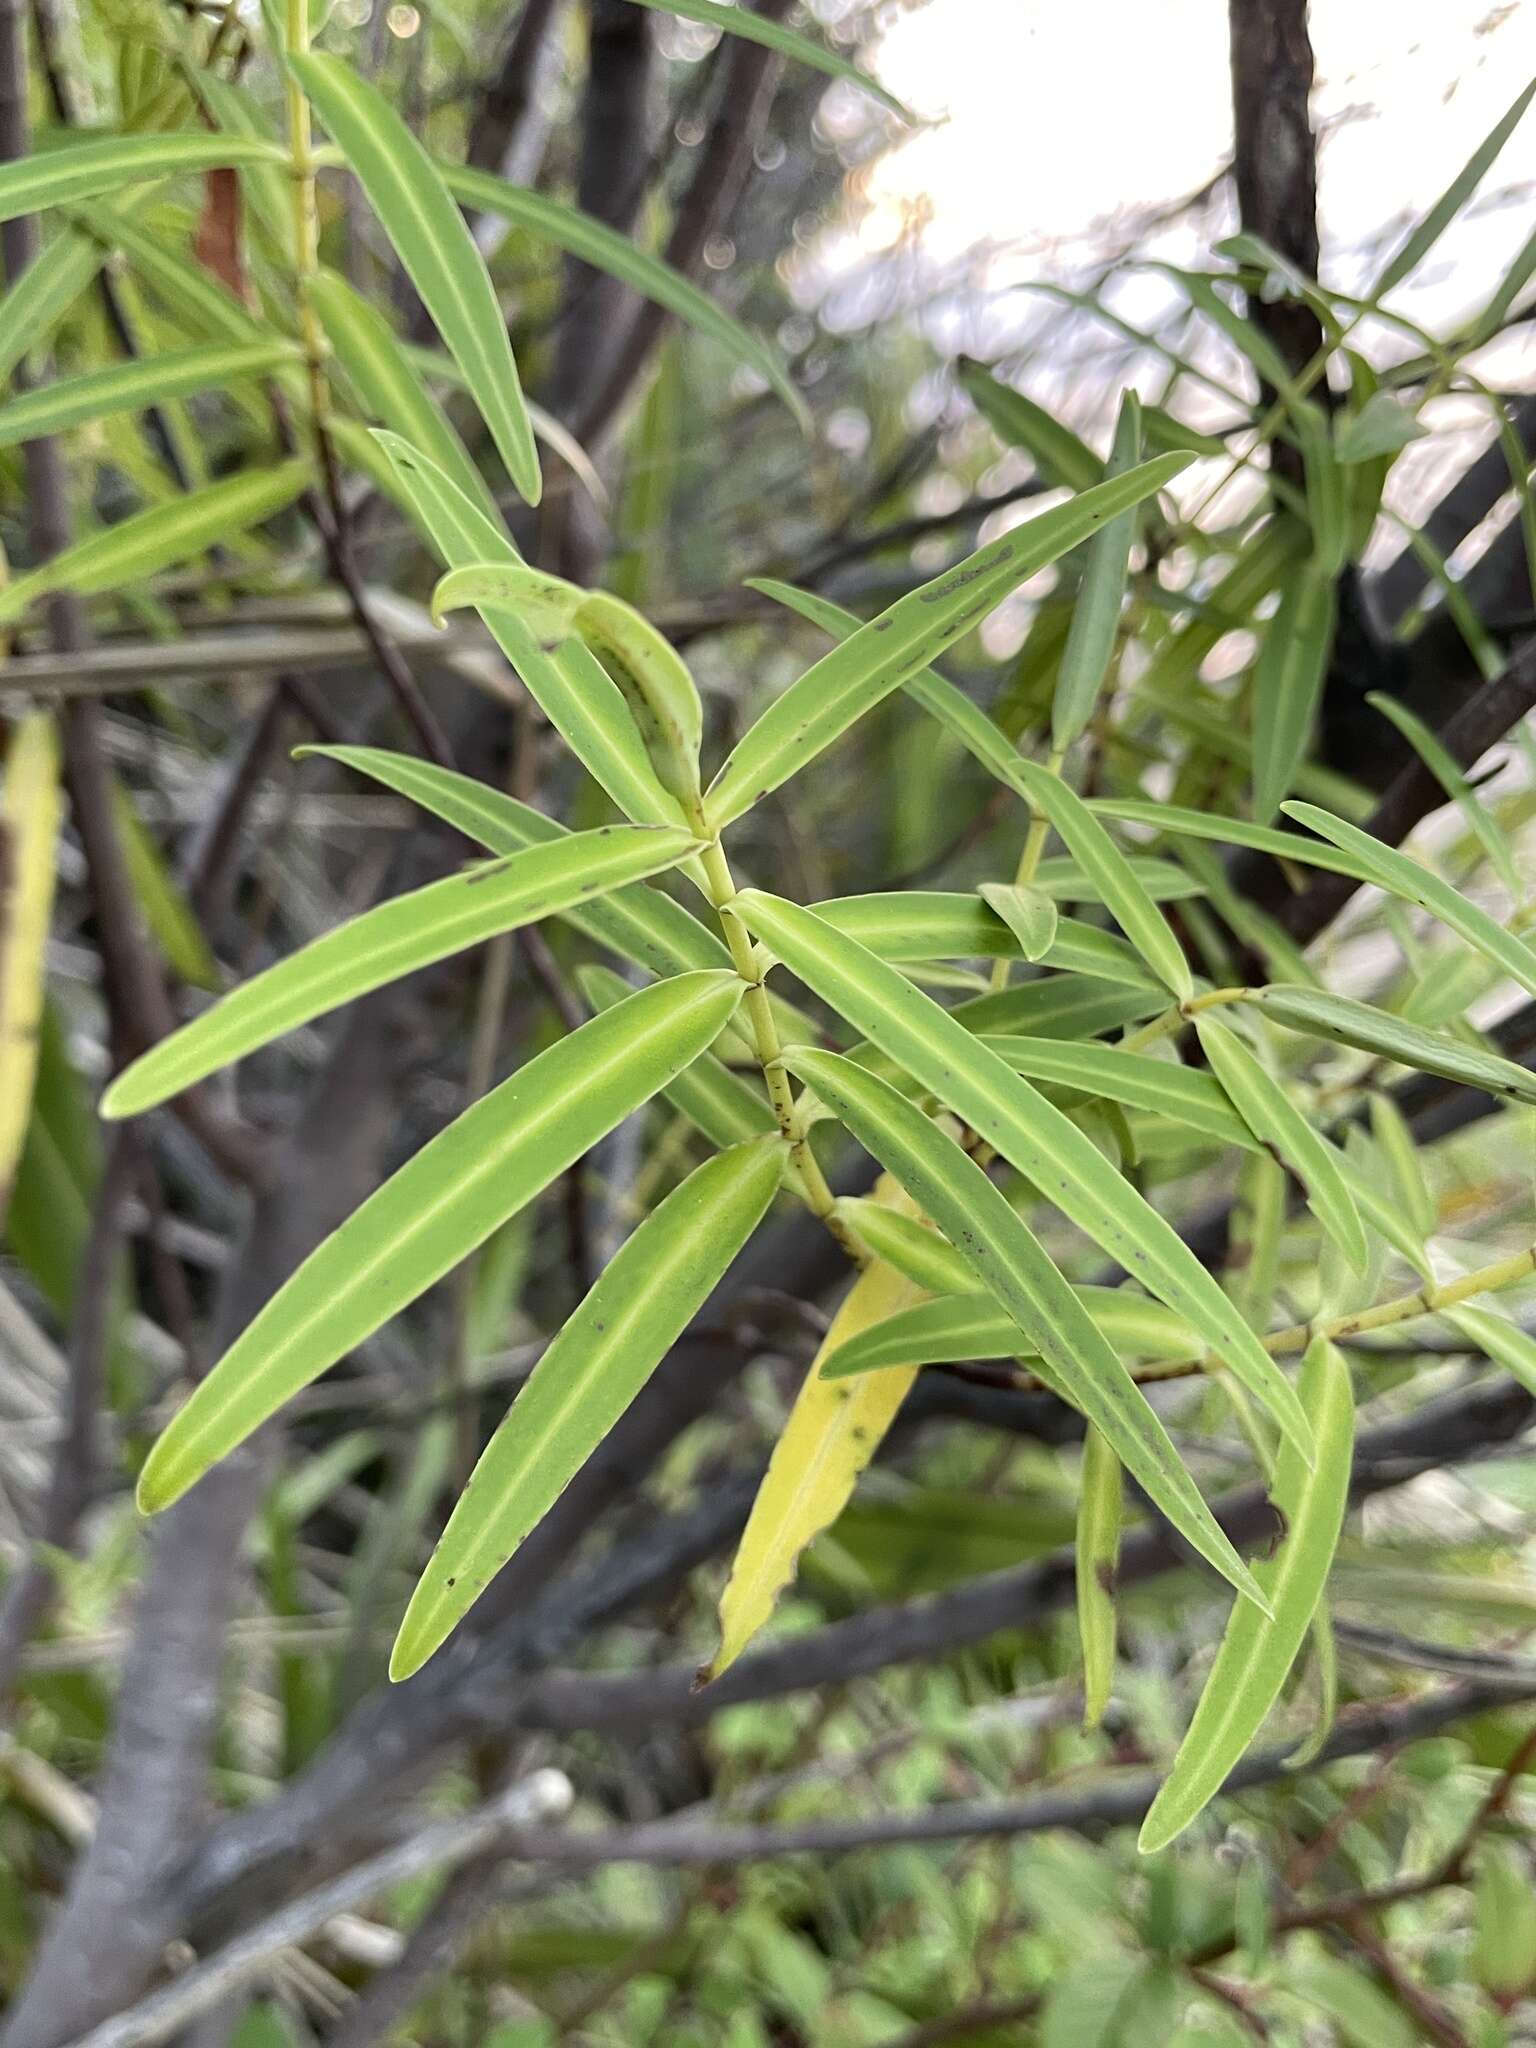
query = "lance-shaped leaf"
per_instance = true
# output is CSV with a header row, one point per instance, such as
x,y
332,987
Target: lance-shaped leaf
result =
x,y
1407,1184
1275,1120
1060,456
1097,1556
570,685
637,923
1183,1095
1115,881
1288,682
1400,876
441,1204
788,42
579,234
427,231
722,1105
1231,832
1346,1022
30,817
1096,615
912,1247
1258,1651
1422,237
879,657
964,1325
1010,1262
1063,1164
390,941
153,540
1028,913
131,386
387,387
107,164
645,1297
39,298
1440,762
942,924
830,1436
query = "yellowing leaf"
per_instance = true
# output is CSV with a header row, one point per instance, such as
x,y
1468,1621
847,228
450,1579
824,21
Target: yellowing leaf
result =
x,y
834,1429
30,821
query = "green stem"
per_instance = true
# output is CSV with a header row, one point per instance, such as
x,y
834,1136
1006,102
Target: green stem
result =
x,y
1170,1020
809,1177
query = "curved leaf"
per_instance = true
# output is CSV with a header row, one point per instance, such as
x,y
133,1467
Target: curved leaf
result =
x,y
880,656
788,42
570,685
911,1246
1031,1133
154,540
390,941
963,1325
645,1297
830,1436
428,233
108,163
1400,876
1343,1021
1183,1095
1028,913
1258,1651
722,1105
942,924
388,388
579,234
441,1204
637,923
1076,1362
135,385
1274,1120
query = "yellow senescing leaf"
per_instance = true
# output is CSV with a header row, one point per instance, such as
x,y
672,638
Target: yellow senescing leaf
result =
x,y
32,807
834,1429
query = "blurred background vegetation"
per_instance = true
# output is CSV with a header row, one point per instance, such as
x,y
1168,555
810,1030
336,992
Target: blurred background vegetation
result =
x,y
208,1786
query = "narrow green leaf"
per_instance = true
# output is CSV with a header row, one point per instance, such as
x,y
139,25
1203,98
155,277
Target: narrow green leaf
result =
x,y
1183,1095
1010,1262
879,657
723,1106
390,941
570,686
941,924
1504,1342
1114,879
1438,760
38,300
915,1249
1097,1556
1395,1142
1060,1006
1274,1120
1101,595
441,1204
1400,876
133,386
1345,1022
387,388
579,234
1232,832
150,541
788,42
166,911
1031,1133
1424,235
1028,913
1061,457
428,233
1257,1651
108,163
637,923
1288,683
963,1325
644,1299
